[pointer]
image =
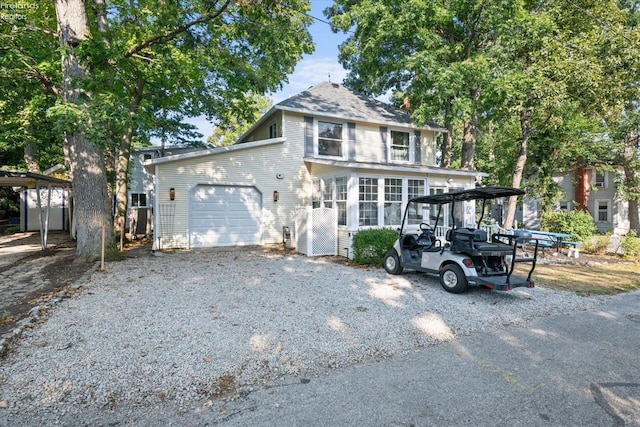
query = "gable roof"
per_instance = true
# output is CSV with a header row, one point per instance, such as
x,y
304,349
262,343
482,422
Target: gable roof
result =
x,y
334,100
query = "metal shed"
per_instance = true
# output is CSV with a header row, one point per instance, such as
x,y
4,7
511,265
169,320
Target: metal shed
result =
x,y
37,181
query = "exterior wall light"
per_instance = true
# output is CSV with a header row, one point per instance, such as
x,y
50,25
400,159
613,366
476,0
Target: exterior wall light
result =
x,y
276,196
172,194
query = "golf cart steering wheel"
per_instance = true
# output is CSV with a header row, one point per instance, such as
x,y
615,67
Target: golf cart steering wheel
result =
x,y
424,227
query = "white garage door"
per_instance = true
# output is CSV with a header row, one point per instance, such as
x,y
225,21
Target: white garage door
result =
x,y
225,215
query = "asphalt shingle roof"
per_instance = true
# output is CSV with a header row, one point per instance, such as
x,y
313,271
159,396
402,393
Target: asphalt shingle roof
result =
x,y
335,100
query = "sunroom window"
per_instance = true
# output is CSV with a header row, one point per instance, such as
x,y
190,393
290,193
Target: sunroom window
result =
x,y
392,201
341,200
415,188
327,193
400,146
316,196
368,205
330,139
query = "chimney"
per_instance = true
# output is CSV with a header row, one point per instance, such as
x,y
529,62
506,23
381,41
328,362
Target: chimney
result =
x,y
581,195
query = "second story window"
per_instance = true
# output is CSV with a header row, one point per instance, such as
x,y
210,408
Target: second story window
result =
x,y
600,180
400,146
330,139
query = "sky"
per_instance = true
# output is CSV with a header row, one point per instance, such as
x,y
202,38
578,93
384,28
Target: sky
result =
x,y
311,70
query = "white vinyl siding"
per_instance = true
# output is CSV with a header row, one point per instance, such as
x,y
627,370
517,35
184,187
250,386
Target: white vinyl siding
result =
x,y
259,166
370,149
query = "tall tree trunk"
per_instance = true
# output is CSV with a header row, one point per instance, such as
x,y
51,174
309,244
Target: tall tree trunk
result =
x,y
634,216
629,158
124,154
31,156
632,185
447,139
470,131
525,126
469,143
86,160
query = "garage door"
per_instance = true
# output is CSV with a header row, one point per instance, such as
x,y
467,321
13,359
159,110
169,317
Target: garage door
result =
x,y
225,215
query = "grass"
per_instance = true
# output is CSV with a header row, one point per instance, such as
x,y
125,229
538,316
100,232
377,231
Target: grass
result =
x,y
601,278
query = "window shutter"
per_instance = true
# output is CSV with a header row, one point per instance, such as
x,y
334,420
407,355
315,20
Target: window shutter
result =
x,y
418,152
383,137
351,140
308,136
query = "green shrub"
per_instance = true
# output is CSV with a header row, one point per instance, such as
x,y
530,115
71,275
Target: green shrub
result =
x,y
370,246
597,245
631,245
578,223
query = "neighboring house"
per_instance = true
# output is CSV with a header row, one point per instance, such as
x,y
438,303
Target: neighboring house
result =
x,y
140,188
314,170
594,191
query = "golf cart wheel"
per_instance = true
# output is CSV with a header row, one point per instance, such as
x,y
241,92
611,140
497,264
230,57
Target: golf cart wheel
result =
x,y
392,263
453,279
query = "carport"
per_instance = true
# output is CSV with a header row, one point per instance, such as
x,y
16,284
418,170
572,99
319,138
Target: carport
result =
x,y
37,181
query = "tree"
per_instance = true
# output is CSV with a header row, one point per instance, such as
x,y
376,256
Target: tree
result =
x,y
235,126
432,53
121,58
26,137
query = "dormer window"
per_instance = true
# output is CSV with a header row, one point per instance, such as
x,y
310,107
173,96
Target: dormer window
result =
x,y
400,146
330,139
273,130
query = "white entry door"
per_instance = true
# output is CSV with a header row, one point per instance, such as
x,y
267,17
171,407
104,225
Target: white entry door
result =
x,y
225,215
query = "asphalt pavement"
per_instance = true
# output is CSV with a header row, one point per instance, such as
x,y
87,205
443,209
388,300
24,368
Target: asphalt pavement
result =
x,y
581,369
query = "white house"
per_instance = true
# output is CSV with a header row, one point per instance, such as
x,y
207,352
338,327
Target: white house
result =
x,y
596,191
321,165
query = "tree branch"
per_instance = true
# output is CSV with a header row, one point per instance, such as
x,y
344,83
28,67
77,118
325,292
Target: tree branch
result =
x,y
162,38
45,81
31,28
47,84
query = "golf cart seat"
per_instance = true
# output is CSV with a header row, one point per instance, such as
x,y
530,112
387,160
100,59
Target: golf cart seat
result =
x,y
410,241
426,240
474,242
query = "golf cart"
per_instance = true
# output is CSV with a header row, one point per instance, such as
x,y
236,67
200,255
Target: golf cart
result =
x,y
467,257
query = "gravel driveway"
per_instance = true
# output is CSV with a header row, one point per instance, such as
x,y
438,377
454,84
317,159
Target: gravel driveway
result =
x,y
189,328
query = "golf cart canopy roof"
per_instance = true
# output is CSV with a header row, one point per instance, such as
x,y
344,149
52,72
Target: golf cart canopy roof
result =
x,y
480,193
